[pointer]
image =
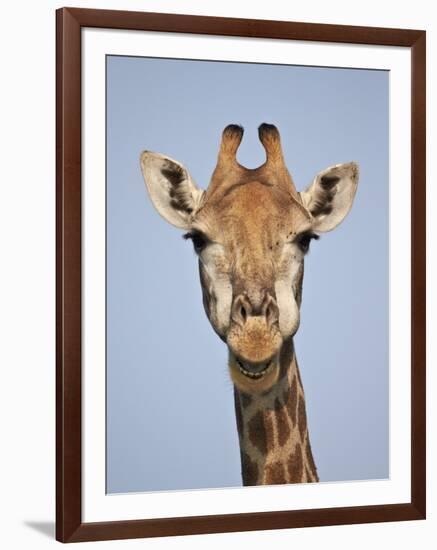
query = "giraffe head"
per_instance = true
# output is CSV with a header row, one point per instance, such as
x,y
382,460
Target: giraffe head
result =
x,y
251,230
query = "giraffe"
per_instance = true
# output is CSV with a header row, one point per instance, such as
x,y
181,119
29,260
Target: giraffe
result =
x,y
251,230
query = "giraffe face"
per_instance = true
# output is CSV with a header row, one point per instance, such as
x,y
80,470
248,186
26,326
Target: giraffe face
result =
x,y
251,230
251,244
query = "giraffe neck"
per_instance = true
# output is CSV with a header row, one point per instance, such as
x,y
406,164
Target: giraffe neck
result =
x,y
272,429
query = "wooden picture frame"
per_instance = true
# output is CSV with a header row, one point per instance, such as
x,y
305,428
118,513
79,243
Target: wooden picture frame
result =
x,y
69,524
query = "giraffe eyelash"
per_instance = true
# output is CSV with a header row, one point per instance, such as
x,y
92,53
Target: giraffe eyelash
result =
x,y
198,239
304,239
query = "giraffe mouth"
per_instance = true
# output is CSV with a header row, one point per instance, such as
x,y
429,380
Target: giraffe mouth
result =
x,y
253,377
255,372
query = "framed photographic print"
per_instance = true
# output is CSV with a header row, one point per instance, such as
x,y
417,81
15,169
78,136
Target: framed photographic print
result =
x,y
206,381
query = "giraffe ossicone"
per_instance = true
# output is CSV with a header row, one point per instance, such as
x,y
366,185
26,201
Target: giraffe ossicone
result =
x,y
251,230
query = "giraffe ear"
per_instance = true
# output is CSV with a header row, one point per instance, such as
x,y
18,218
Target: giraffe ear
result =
x,y
331,194
174,194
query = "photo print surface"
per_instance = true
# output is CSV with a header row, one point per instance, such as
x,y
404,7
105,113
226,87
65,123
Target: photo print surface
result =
x,y
228,362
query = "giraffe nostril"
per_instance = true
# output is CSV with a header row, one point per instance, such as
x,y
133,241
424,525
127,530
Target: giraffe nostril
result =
x,y
243,313
241,310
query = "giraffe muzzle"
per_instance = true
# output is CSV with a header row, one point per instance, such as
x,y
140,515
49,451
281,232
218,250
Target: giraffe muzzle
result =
x,y
254,341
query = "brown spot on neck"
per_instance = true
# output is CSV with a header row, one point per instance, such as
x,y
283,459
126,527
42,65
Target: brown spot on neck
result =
x,y
295,465
275,473
249,470
282,424
246,399
302,417
257,432
238,414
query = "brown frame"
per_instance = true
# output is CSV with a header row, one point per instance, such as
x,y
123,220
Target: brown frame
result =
x,y
69,526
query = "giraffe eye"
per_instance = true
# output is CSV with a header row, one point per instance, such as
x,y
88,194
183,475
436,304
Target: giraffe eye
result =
x,y
304,240
198,239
